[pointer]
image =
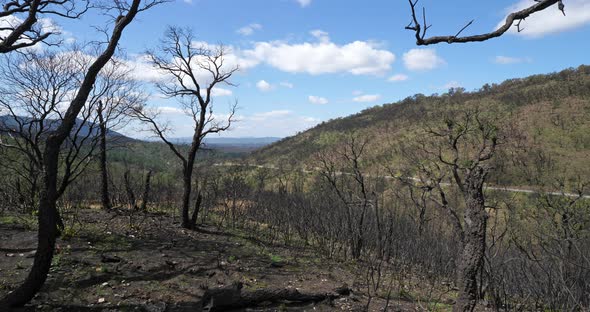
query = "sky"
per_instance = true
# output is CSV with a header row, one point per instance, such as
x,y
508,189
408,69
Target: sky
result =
x,y
307,61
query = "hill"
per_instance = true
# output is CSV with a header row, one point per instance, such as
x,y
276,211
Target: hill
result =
x,y
552,110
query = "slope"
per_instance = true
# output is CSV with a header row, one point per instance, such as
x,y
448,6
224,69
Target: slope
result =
x,y
552,111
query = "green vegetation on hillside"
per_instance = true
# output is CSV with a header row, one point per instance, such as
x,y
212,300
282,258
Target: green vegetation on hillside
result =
x,y
551,113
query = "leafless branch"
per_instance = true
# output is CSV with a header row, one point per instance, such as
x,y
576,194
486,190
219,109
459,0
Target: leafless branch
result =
x,y
514,18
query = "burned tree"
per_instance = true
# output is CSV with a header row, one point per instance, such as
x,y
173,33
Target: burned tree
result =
x,y
456,156
513,19
343,172
113,98
193,72
35,86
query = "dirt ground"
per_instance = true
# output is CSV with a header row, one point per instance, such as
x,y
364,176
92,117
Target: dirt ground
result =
x,y
117,262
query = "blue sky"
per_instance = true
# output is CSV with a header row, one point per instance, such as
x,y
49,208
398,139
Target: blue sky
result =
x,y
307,61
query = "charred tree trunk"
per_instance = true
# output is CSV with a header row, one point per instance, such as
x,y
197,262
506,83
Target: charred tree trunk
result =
x,y
186,197
47,202
129,189
197,209
146,191
474,240
47,234
188,177
233,297
104,178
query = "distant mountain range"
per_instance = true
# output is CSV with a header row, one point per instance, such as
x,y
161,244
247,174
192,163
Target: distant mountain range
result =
x,y
232,145
88,128
244,141
228,145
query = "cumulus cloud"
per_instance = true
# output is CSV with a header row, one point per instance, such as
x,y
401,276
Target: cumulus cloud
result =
x,y
142,70
507,60
317,100
367,98
422,59
398,77
551,20
315,58
304,3
264,86
249,29
323,57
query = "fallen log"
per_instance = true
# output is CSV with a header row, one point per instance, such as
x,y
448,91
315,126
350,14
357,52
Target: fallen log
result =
x,y
233,297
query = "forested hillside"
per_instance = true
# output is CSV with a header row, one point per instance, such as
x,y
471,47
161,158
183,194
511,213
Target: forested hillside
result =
x,y
550,112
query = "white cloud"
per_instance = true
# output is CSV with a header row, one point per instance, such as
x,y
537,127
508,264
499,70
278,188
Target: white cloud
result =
x,y
323,57
506,60
422,59
317,100
398,77
304,3
264,86
287,85
321,35
217,92
279,123
142,70
249,29
451,84
271,114
367,98
170,110
315,58
551,20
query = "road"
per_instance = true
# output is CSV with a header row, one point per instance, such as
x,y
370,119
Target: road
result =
x,y
510,189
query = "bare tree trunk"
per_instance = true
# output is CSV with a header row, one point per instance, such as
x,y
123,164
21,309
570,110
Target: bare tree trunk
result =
x,y
146,191
47,234
197,208
188,177
186,197
129,189
474,242
104,178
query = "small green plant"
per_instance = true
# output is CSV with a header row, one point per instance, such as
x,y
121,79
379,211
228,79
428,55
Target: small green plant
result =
x,y
20,265
56,260
68,233
231,259
276,259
